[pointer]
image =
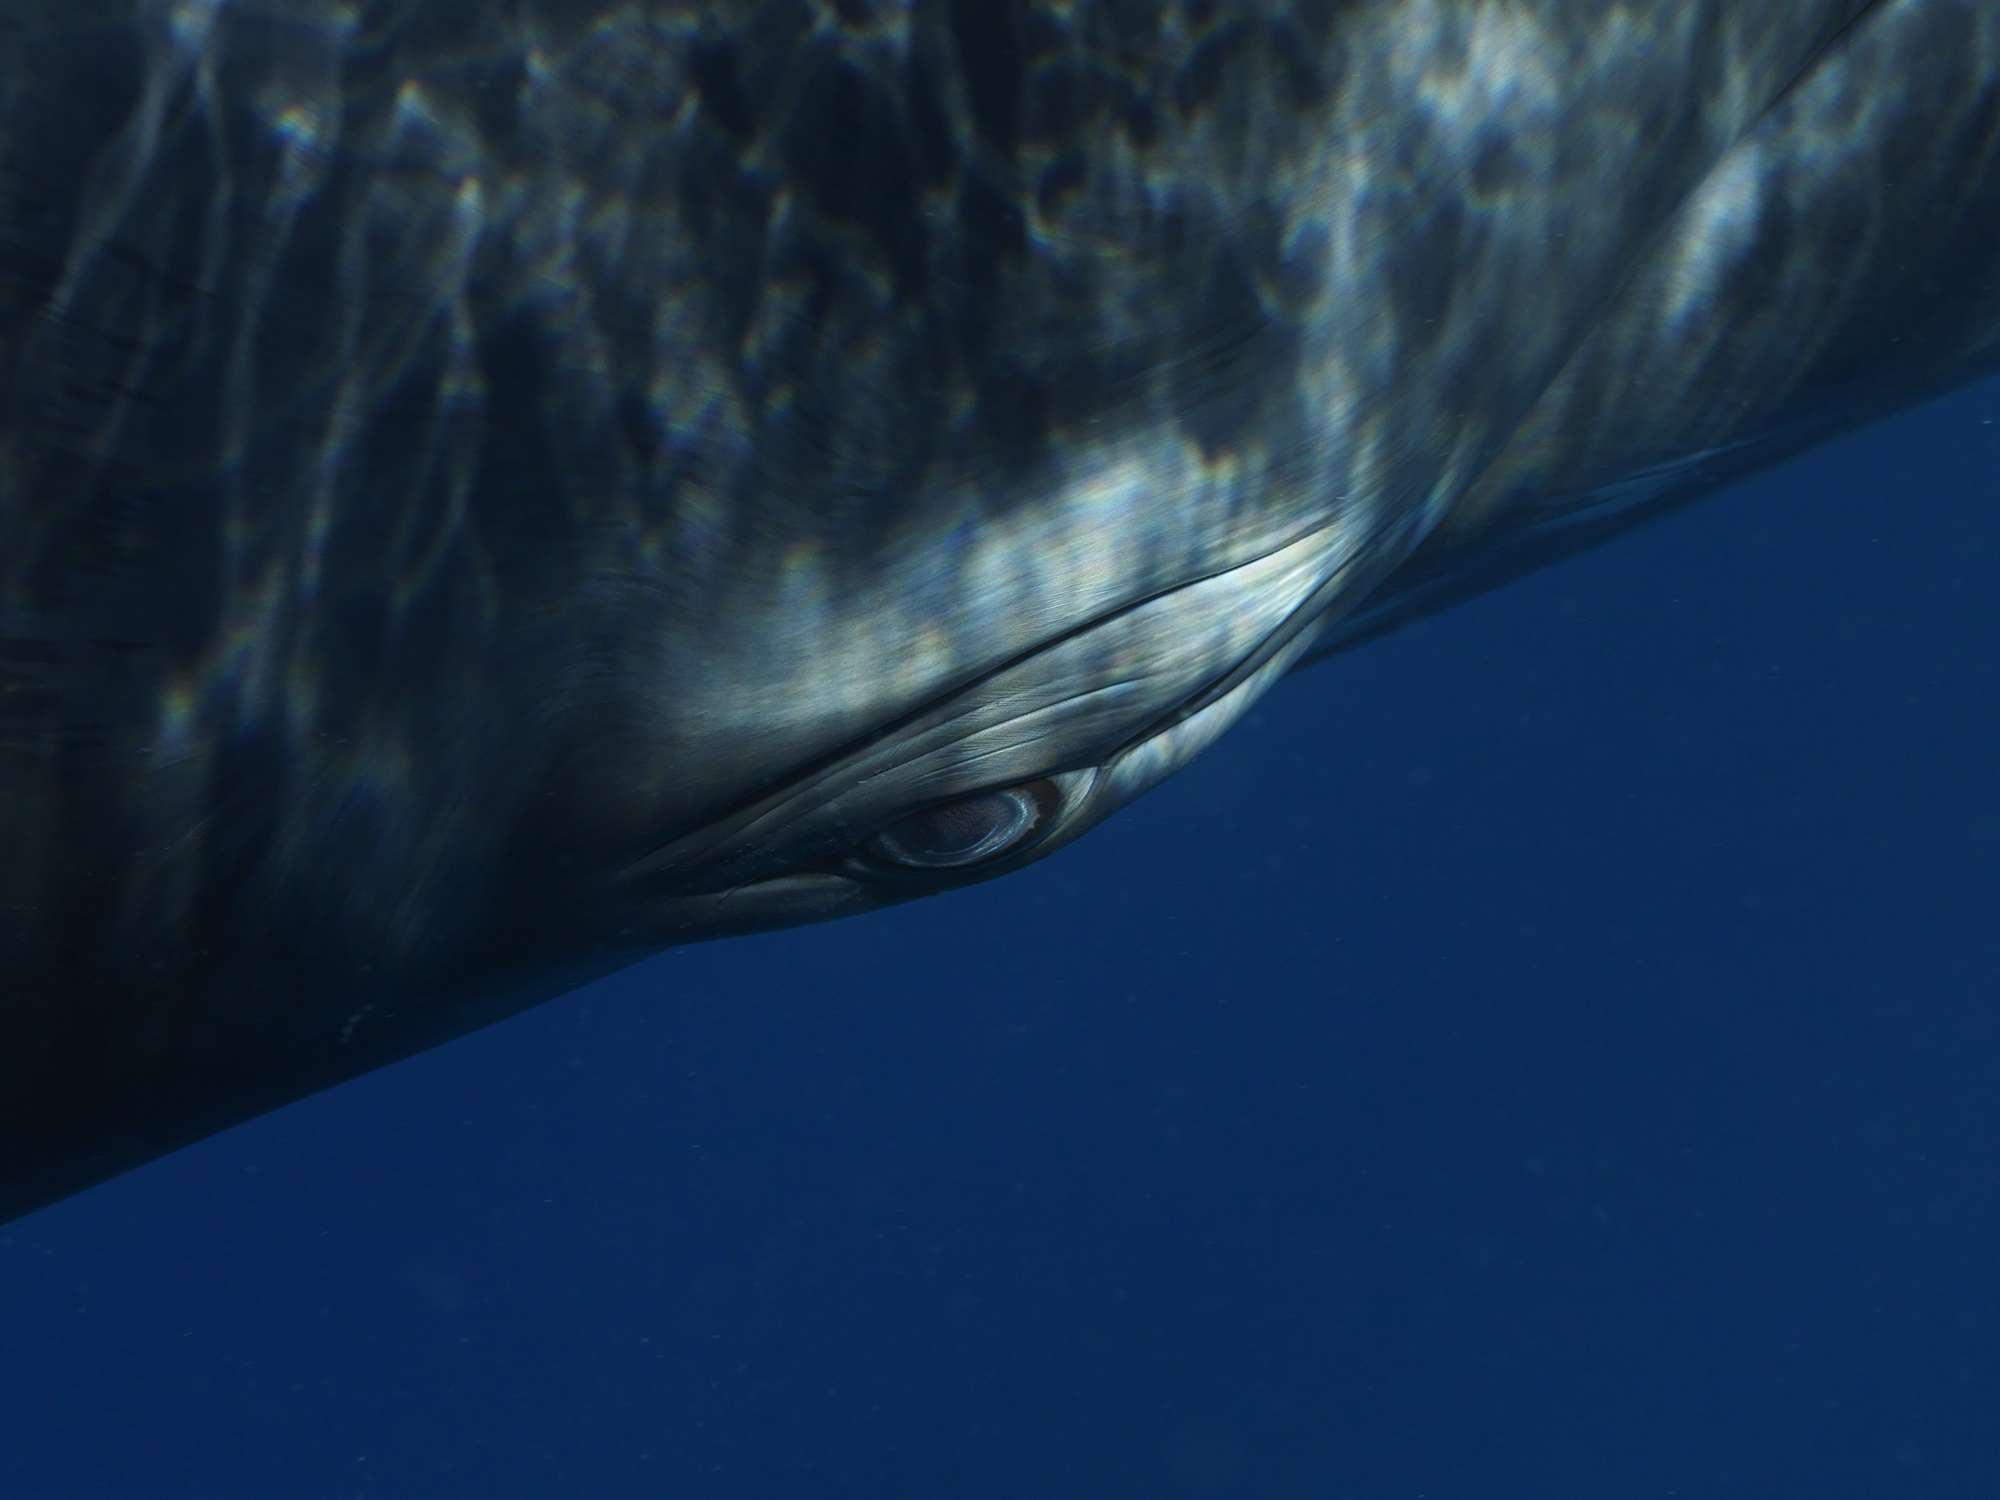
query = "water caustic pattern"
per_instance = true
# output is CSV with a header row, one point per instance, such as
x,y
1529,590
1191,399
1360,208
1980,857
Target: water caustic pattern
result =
x,y
488,491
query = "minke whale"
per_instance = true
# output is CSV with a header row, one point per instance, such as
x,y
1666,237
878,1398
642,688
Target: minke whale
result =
x,y
488,491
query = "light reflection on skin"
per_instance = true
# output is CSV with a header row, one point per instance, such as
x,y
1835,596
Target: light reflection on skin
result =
x,y
1495,139
556,509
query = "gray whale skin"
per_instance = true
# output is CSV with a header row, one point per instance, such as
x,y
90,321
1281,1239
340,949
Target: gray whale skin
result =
x,y
489,491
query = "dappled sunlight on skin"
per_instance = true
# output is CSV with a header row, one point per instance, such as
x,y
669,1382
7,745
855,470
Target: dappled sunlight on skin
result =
x,y
1316,274
517,489
1816,277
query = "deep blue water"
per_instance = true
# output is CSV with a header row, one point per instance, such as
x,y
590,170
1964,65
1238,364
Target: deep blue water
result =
x,y
1552,1053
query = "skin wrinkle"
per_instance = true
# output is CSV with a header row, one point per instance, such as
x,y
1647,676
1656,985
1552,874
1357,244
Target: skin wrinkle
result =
x,y
988,710
882,732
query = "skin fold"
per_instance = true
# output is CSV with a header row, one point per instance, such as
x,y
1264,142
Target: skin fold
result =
x,y
488,491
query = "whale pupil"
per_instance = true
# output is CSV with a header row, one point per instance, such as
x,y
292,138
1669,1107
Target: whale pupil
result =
x,y
960,833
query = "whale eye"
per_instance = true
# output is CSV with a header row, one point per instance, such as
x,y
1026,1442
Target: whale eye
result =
x,y
969,831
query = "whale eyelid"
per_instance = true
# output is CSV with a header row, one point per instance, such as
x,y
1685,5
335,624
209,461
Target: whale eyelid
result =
x,y
956,835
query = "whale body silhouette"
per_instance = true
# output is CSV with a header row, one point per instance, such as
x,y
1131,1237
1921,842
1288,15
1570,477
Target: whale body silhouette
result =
x,y
489,492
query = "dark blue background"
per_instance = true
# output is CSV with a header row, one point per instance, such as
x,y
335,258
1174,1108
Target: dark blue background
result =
x,y
1553,1052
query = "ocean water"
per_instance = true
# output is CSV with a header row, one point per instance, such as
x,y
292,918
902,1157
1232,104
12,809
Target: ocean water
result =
x,y
1554,1052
